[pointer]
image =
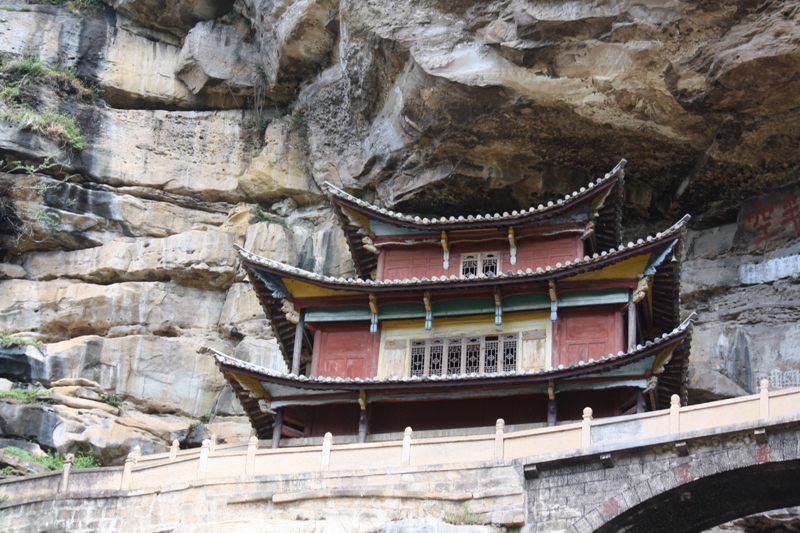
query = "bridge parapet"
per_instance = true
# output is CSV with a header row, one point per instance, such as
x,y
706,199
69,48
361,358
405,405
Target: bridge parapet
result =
x,y
236,463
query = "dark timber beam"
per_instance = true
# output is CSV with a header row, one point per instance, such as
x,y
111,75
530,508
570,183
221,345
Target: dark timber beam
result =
x,y
277,428
298,343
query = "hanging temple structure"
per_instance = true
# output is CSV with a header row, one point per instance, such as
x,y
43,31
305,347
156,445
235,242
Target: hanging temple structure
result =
x,y
454,322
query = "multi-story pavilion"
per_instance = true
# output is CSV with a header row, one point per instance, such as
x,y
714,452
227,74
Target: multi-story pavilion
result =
x,y
454,322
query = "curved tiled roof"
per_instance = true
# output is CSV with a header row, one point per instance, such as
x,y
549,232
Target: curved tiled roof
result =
x,y
621,358
500,218
578,265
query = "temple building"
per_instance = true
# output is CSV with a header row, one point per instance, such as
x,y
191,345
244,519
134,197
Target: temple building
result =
x,y
454,322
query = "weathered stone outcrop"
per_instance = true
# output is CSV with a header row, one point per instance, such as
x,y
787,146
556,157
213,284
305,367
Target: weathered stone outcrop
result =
x,y
107,436
62,309
161,375
132,69
174,16
213,53
203,259
281,170
295,39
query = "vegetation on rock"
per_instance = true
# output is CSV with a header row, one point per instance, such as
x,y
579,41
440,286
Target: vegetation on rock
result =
x,y
111,399
7,341
54,461
263,216
50,124
29,396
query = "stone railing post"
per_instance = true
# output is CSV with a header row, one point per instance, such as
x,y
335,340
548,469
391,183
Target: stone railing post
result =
x,y
68,461
675,414
499,429
212,446
130,462
173,450
250,465
763,400
406,460
586,428
202,464
326,451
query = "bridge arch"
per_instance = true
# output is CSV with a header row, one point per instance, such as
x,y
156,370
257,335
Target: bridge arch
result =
x,y
688,489
712,500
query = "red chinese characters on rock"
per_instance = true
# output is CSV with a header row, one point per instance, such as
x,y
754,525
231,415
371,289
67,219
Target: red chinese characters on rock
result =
x,y
772,217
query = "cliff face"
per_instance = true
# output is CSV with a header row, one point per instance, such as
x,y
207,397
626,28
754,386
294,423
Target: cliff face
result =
x,y
117,237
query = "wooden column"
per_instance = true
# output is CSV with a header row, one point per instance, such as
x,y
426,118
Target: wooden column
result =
x,y
641,403
551,412
363,428
298,342
631,322
277,428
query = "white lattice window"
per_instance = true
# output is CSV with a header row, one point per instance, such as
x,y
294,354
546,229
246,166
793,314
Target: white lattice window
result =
x,y
486,263
464,355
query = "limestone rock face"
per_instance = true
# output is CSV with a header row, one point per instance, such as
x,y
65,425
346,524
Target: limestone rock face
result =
x,y
203,259
62,309
107,436
312,240
281,169
213,53
295,38
191,153
174,16
159,374
132,69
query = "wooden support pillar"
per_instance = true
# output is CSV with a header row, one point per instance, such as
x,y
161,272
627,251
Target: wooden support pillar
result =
x,y
277,428
632,326
362,427
641,403
298,342
552,412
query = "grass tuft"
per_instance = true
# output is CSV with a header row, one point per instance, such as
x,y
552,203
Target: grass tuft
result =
x,y
52,125
28,396
7,341
54,461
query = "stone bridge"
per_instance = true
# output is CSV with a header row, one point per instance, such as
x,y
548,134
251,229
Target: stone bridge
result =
x,y
679,470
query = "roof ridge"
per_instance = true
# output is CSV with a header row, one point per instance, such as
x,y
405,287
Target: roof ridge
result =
x,y
618,170
597,257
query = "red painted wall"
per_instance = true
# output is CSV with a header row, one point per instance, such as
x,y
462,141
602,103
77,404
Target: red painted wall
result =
x,y
591,332
423,260
345,349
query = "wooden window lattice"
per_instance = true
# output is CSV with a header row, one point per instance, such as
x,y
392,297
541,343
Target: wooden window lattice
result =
x,y
488,354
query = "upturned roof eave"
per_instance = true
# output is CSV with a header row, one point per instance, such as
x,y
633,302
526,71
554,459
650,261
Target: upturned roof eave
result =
x,y
570,202
462,381
252,261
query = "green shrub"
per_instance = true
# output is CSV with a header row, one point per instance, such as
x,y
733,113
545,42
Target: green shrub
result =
x,y
263,216
7,341
111,399
299,123
85,460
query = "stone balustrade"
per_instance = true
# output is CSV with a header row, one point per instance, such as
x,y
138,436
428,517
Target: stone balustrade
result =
x,y
212,462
